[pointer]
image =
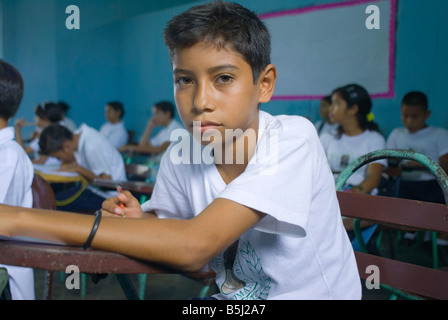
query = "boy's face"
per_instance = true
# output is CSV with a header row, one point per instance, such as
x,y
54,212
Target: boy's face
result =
x,y
112,115
66,154
216,87
414,117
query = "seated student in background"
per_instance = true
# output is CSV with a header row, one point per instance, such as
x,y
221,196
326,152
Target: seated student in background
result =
x,y
16,171
163,115
356,135
66,121
114,129
88,153
46,113
416,182
325,124
269,225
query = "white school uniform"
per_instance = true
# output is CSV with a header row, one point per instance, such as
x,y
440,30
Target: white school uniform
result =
x,y
430,141
165,133
300,249
97,154
340,152
16,176
116,133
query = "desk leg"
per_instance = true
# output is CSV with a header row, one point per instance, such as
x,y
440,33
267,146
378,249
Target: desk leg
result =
x,y
127,287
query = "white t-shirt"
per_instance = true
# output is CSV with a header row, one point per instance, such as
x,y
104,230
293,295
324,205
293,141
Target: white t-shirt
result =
x,y
98,155
325,127
164,134
300,249
340,152
430,141
16,178
116,133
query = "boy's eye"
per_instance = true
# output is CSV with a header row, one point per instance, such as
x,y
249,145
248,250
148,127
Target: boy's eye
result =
x,y
224,78
183,81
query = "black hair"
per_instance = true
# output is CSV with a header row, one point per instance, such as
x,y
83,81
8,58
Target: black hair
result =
x,y
53,137
50,111
63,106
165,106
11,90
354,94
117,106
224,25
327,99
416,99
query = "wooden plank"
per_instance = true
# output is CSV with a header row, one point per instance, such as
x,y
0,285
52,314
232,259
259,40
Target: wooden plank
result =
x,y
422,281
399,212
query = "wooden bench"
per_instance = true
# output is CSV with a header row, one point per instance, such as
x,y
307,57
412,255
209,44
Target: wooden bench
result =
x,y
398,213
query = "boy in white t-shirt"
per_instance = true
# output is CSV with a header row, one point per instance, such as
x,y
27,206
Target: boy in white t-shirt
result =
x,y
163,117
88,153
252,193
416,181
114,129
16,172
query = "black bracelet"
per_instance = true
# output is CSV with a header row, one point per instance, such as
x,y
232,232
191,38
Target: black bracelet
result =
x,y
98,215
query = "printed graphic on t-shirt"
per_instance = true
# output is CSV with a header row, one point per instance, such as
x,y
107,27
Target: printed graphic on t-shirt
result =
x,y
244,275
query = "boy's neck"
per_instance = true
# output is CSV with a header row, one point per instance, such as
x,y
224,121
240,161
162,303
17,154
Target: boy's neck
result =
x,y
235,158
3,123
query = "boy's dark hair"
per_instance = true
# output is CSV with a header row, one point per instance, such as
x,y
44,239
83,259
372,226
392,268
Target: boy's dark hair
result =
x,y
355,94
416,99
165,106
224,25
63,106
11,90
53,137
117,106
50,111
327,99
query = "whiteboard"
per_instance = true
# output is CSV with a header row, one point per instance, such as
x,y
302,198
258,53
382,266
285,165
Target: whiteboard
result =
x,y
319,48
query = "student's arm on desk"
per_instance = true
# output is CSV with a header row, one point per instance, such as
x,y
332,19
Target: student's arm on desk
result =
x,y
184,244
86,173
147,148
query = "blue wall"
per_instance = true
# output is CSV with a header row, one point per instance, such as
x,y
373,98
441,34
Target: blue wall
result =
x,y
119,54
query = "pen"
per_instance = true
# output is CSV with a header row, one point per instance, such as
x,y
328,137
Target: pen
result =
x,y
121,204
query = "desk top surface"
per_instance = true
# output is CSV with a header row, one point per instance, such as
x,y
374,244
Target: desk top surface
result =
x,y
58,257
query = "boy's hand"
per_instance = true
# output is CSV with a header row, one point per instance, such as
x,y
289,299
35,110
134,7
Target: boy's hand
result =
x,y
123,205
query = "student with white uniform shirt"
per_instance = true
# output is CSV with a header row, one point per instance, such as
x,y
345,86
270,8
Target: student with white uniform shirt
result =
x,y
88,153
415,182
163,116
114,129
16,171
356,135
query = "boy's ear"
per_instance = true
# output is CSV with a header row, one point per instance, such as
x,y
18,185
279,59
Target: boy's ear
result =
x,y
266,83
427,114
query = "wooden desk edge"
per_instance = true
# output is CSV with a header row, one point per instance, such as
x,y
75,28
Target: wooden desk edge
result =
x,y
58,257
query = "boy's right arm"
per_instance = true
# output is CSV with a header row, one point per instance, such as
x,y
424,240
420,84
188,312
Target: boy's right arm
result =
x,y
184,244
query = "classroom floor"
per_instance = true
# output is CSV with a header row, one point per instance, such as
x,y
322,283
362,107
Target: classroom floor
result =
x,y
178,287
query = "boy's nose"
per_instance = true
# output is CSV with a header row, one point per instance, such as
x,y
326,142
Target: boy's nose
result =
x,y
202,100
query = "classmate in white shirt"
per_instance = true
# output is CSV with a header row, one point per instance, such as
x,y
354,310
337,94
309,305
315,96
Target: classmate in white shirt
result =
x,y
114,129
163,116
88,153
356,136
266,216
416,181
16,171
325,124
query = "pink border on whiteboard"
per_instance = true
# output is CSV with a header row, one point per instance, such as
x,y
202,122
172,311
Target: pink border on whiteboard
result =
x,y
390,93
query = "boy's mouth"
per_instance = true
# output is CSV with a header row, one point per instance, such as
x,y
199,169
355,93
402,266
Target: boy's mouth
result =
x,y
204,125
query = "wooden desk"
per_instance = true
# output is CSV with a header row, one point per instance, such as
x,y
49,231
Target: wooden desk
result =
x,y
58,257
52,175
